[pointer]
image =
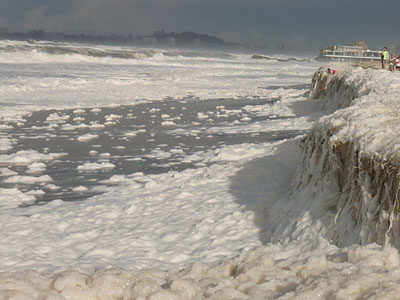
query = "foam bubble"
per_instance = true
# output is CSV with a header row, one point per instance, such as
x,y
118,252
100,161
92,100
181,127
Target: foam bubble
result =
x,y
89,167
87,137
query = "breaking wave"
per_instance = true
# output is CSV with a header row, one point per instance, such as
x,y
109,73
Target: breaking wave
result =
x,y
290,59
71,49
32,51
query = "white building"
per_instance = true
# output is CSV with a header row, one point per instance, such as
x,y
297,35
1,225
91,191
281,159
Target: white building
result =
x,y
349,53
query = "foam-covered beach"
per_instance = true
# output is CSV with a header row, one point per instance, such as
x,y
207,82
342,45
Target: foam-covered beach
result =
x,y
259,179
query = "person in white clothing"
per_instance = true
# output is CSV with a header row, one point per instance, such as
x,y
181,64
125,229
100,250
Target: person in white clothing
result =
x,y
392,62
397,61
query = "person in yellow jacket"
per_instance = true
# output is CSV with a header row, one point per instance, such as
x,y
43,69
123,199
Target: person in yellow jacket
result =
x,y
384,57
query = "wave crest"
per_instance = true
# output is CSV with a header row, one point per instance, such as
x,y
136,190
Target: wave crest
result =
x,y
70,49
290,59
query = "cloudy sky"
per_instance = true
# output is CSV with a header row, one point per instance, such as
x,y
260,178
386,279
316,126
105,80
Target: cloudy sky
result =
x,y
259,22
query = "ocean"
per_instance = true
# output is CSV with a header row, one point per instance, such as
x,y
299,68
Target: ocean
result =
x,y
130,173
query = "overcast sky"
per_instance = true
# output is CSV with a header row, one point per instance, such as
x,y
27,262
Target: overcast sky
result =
x,y
303,22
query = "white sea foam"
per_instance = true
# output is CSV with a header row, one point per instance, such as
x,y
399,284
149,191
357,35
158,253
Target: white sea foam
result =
x,y
89,167
6,144
87,137
12,198
26,157
168,123
96,126
56,118
36,167
156,80
196,233
80,189
28,179
7,172
5,127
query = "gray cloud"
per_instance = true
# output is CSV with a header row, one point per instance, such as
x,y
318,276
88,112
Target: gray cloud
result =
x,y
308,22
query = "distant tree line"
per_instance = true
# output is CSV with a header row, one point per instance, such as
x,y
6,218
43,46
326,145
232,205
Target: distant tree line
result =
x,y
188,38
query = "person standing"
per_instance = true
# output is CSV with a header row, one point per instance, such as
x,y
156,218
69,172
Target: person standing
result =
x,y
398,63
392,62
384,57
